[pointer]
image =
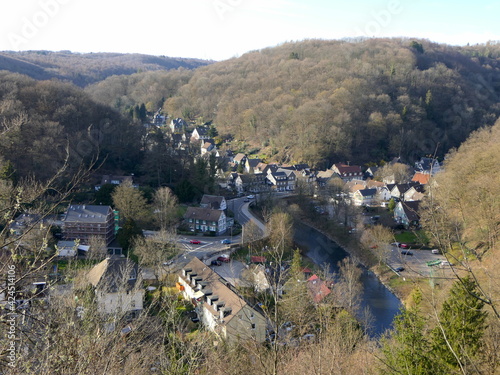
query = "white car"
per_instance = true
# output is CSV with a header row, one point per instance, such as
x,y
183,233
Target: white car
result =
x,y
250,196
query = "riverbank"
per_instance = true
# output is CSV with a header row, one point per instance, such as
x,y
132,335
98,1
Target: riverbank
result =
x,y
348,242
383,273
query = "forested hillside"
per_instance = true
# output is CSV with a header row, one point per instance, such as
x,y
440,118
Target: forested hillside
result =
x,y
42,122
323,101
86,68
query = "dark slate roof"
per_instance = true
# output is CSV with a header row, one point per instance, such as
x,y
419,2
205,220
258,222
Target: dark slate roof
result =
x,y
87,213
201,213
253,162
201,130
367,192
212,201
411,210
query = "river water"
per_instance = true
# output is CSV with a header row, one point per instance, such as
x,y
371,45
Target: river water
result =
x,y
382,304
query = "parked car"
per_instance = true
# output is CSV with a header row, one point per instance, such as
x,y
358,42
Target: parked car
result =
x,y
216,263
246,200
395,244
435,251
404,246
223,258
406,252
399,269
195,242
225,241
251,196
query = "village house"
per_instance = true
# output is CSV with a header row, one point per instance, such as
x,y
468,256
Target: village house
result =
x,y
219,308
252,183
364,197
178,125
428,165
251,164
348,172
323,177
207,146
260,168
200,133
317,289
215,202
398,190
421,178
278,180
414,193
240,159
117,286
406,214
205,220
81,222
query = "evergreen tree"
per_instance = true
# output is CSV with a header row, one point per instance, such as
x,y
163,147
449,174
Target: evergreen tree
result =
x,y
212,132
457,339
407,352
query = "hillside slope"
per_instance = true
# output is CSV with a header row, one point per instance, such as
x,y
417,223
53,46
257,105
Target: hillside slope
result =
x,y
323,101
86,68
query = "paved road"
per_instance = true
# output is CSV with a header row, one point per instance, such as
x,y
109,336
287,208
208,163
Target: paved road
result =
x,y
416,265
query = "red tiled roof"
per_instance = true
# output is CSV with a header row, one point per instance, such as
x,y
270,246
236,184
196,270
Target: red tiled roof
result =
x,y
317,288
422,178
257,259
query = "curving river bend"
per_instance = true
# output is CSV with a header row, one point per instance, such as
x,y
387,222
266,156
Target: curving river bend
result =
x,y
381,302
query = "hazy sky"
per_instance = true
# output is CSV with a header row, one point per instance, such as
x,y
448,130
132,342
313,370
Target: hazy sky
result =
x,y
221,29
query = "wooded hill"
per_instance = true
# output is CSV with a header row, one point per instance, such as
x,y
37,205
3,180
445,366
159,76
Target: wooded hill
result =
x,y
42,122
323,101
86,68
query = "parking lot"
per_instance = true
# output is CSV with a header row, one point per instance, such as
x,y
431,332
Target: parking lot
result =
x,y
415,265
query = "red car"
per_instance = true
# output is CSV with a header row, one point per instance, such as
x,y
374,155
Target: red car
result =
x,y
195,242
223,259
404,246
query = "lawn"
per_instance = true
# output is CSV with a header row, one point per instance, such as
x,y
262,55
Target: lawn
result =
x,y
412,237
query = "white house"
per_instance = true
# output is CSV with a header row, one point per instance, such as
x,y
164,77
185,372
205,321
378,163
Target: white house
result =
x,y
117,284
206,220
219,308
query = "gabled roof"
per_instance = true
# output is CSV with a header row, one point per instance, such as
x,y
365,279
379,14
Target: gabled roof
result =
x,y
200,213
261,167
367,192
374,184
201,130
422,178
87,213
317,288
347,170
217,287
239,157
253,162
411,210
325,174
114,274
212,201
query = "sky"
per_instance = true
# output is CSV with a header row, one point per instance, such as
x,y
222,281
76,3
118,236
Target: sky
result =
x,y
222,29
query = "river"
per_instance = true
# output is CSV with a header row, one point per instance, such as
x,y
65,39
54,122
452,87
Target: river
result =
x,y
380,301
